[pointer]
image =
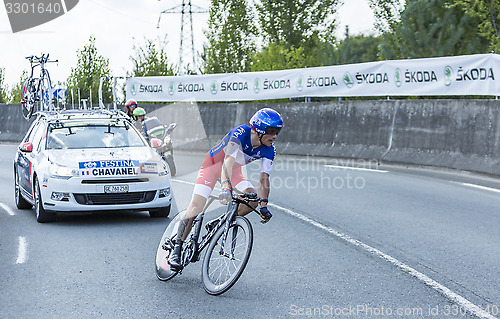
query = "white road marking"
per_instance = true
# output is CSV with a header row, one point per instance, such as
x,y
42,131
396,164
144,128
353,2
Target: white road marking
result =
x,y
182,181
480,187
357,168
450,295
23,250
445,291
7,209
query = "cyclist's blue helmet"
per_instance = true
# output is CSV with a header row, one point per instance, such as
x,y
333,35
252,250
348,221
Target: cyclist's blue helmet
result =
x,y
266,121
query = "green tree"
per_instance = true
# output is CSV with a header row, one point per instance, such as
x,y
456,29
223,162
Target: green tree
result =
x,y
387,21
231,37
295,23
151,60
352,49
387,14
3,90
15,93
278,57
86,75
432,28
487,13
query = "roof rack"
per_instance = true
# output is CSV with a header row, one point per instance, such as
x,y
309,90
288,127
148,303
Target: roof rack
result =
x,y
56,109
68,114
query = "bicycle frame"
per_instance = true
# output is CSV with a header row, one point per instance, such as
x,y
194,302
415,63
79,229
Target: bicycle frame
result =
x,y
231,213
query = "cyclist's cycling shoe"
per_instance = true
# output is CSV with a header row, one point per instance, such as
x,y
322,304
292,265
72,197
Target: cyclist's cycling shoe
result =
x,y
174,259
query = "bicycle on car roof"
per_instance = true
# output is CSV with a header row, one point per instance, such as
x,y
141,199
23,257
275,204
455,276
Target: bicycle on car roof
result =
x,y
37,91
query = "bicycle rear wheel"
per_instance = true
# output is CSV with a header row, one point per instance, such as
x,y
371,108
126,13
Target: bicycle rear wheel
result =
x,y
163,271
223,267
27,99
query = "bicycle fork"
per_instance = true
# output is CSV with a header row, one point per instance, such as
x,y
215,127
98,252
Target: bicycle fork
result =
x,y
234,211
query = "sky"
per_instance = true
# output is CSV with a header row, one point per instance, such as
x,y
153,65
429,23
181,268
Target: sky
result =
x,y
117,25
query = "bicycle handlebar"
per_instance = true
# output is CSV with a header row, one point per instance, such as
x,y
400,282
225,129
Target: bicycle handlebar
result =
x,y
43,59
251,197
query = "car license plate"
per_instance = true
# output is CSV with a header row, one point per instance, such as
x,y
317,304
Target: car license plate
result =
x,y
116,188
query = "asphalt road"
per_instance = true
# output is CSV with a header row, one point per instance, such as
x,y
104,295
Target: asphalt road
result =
x,y
344,243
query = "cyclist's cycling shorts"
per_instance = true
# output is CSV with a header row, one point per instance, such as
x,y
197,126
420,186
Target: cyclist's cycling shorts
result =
x,y
211,170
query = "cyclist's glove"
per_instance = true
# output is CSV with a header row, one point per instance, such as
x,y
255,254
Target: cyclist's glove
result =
x,y
265,214
225,195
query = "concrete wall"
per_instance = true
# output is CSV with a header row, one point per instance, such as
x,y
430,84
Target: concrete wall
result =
x,y
461,134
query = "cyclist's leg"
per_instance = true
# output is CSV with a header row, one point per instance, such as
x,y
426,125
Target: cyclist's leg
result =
x,y
205,182
207,177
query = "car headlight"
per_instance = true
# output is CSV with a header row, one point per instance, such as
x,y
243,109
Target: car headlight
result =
x,y
164,170
62,172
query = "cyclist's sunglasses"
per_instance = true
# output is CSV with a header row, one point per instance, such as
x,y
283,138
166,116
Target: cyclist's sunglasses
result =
x,y
273,130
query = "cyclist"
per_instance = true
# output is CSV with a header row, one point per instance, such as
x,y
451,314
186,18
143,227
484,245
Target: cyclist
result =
x,y
140,115
130,105
240,146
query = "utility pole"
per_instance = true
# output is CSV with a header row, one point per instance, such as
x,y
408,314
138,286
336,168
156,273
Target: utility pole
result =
x,y
186,47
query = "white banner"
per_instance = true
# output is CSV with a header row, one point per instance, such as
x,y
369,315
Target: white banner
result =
x,y
460,75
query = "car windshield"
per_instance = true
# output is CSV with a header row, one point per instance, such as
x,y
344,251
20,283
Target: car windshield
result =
x,y
92,134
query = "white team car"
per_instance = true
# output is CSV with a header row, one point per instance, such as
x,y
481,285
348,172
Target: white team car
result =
x,y
89,160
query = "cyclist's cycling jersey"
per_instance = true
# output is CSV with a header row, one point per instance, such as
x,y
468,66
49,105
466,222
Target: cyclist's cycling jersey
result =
x,y
237,144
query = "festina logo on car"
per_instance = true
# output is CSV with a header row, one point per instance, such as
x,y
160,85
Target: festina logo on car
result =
x,y
109,163
109,167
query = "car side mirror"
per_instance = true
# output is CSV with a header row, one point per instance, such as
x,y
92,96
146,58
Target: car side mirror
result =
x,y
171,127
26,147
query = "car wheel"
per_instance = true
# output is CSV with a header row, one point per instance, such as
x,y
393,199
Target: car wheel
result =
x,y
160,212
42,216
21,203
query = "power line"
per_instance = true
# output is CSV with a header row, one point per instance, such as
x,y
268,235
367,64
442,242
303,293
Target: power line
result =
x,y
186,47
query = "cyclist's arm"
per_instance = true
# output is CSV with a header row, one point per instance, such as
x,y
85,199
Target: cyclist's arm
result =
x,y
227,170
231,150
264,188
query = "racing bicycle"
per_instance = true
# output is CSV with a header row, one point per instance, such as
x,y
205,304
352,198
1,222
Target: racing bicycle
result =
x,y
37,90
229,239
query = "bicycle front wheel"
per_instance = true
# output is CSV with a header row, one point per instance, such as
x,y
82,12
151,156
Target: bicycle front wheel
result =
x,y
163,271
224,262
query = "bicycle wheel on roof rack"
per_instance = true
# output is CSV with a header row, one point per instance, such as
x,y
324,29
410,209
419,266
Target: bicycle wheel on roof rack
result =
x,y
45,93
27,99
